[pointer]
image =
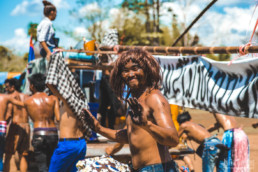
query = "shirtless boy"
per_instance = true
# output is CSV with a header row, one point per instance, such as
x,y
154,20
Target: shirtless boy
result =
x,y
4,101
42,109
208,149
150,129
237,157
71,141
18,136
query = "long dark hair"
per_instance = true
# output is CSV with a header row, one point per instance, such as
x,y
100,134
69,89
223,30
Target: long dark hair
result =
x,y
48,7
145,60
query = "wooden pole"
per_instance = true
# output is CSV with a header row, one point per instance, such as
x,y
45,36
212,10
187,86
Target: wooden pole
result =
x,y
193,22
185,50
171,50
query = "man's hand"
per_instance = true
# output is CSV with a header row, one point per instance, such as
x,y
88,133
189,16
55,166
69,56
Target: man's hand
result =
x,y
92,121
99,116
136,113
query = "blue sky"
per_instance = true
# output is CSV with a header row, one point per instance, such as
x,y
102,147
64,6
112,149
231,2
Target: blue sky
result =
x,y
228,23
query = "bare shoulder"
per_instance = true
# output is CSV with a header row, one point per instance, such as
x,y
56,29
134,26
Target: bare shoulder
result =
x,y
24,96
156,98
28,100
53,97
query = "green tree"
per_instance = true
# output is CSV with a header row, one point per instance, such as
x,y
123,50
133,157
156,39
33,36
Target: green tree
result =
x,y
32,30
11,62
93,20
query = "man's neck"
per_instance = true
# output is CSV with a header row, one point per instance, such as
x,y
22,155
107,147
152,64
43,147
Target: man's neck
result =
x,y
137,93
14,92
37,92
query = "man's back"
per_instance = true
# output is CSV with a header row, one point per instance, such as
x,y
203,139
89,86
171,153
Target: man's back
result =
x,y
41,109
195,131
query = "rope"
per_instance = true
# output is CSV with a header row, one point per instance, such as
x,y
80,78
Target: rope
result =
x,y
243,49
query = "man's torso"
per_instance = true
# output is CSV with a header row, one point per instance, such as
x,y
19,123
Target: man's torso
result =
x,y
69,125
144,148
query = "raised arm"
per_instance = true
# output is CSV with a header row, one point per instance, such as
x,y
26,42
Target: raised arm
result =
x,y
15,102
163,130
56,109
119,136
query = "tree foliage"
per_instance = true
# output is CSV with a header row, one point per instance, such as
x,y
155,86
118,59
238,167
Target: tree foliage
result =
x,y
138,23
32,30
11,62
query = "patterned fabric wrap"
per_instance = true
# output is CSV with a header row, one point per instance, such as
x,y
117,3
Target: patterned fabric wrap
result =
x,y
2,126
63,80
111,39
102,164
238,155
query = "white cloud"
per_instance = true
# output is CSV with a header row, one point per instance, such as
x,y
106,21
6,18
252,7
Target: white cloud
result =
x,y
35,7
81,32
60,4
27,7
19,43
230,26
89,9
233,2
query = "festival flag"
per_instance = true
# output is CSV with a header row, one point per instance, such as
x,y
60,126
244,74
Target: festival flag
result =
x,y
31,55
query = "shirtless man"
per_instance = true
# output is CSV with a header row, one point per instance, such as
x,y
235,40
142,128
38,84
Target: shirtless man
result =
x,y
71,141
4,101
42,109
237,157
150,129
209,145
18,136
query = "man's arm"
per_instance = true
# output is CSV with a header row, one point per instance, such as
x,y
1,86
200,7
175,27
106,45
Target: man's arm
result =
x,y
15,102
180,131
111,150
8,115
119,136
56,109
163,131
213,127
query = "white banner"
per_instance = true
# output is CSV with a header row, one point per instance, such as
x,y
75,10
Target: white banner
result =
x,y
201,83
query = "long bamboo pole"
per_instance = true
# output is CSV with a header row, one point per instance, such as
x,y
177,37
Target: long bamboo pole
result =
x,y
193,22
184,50
155,50
171,50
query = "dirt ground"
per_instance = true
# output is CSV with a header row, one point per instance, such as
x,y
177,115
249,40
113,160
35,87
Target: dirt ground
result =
x,y
206,119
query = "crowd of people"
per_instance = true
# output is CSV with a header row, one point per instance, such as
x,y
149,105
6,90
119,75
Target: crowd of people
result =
x,y
58,140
